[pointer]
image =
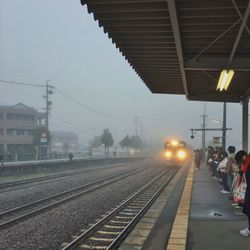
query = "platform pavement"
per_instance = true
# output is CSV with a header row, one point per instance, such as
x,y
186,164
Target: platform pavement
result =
x,y
214,224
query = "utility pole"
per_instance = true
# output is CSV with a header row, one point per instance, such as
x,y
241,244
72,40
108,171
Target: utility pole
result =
x,y
48,104
136,125
141,130
204,129
224,126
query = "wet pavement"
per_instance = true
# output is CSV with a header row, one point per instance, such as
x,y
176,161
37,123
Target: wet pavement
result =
x,y
214,223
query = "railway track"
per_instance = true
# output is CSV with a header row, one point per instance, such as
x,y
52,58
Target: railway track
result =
x,y
14,185
111,230
15,215
36,179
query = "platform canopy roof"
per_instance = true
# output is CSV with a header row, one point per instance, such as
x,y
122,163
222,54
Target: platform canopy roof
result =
x,y
181,46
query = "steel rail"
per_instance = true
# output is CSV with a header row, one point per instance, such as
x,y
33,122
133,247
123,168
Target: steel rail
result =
x,y
119,239
89,232
15,220
36,179
12,184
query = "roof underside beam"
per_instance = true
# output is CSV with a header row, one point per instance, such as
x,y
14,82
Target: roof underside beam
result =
x,y
119,1
217,63
177,38
247,94
243,24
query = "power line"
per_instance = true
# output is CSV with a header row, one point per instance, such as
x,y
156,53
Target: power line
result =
x,y
90,108
68,97
79,125
72,123
76,127
23,83
57,127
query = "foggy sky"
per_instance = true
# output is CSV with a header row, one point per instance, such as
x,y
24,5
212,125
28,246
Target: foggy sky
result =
x,y
58,40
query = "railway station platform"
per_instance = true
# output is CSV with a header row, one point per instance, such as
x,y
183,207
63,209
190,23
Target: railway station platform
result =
x,y
190,214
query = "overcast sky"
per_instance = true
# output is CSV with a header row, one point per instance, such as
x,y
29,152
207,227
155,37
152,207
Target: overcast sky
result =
x,y
58,40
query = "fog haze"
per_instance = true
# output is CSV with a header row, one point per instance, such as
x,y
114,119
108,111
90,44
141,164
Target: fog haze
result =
x,y
59,41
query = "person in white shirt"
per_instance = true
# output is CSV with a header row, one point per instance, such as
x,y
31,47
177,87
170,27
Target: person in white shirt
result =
x,y
222,168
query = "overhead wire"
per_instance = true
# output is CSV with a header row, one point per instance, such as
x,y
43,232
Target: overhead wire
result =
x,y
69,98
71,129
23,83
56,128
74,127
90,108
72,123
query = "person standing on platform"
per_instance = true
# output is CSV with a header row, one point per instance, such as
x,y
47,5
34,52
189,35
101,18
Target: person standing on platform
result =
x,y
231,167
1,160
197,158
222,170
243,158
71,156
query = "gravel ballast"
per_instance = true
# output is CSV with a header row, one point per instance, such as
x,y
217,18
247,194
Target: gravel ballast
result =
x,y
35,191
50,229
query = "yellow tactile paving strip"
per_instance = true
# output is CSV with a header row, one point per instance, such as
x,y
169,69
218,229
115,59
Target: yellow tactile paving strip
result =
x,y
178,236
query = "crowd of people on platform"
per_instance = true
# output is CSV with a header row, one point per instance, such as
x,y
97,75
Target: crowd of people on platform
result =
x,y
233,172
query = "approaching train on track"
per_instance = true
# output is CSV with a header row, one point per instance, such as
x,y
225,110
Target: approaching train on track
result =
x,y
176,151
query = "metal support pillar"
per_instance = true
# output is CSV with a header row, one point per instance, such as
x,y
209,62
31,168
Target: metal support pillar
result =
x,y
224,126
245,124
204,134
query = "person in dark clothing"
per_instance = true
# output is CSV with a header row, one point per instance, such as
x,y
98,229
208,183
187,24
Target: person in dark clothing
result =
x,y
212,163
243,158
1,160
197,159
71,156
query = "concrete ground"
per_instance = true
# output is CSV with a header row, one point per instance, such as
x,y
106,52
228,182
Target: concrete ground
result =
x,y
214,224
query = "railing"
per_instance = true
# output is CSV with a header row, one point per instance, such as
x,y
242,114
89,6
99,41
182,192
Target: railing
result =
x,y
20,159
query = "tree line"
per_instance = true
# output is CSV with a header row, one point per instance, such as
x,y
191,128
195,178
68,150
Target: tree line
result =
x,y
128,142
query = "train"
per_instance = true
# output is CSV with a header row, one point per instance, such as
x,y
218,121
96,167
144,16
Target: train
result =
x,y
176,151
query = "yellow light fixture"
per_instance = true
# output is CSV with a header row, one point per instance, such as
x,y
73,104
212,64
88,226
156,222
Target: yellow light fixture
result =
x,y
225,79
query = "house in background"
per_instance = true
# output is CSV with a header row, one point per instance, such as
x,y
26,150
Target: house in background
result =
x,y
17,126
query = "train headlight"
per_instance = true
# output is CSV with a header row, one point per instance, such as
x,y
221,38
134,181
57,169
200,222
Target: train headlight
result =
x,y
168,154
181,154
174,143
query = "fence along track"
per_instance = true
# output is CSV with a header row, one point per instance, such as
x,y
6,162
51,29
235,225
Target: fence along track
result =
x,y
15,215
111,230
